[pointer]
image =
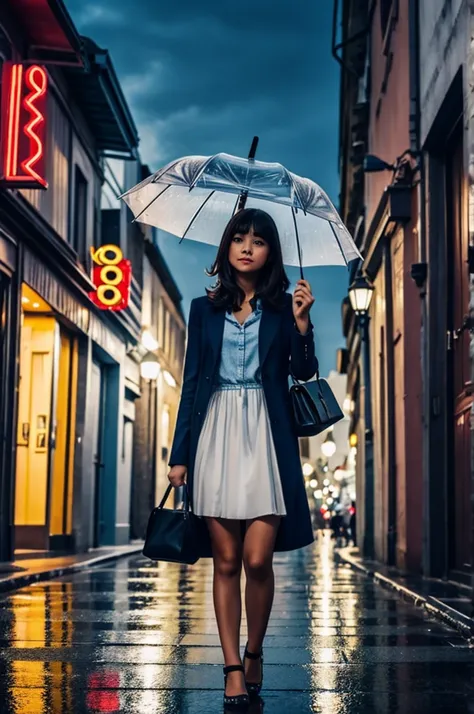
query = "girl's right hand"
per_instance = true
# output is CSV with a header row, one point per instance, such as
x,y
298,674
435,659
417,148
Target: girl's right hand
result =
x,y
177,475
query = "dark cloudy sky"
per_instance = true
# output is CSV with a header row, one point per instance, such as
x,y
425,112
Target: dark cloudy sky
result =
x,y
203,76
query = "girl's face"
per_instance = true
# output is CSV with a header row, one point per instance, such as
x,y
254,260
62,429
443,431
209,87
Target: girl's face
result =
x,y
248,253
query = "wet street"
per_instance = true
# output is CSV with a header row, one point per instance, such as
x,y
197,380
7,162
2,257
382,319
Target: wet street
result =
x,y
140,637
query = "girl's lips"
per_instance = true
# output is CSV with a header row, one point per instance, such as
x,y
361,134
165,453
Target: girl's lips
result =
x,y
245,260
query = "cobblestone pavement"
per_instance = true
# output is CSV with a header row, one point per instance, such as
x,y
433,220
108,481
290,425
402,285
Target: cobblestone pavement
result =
x,y
138,637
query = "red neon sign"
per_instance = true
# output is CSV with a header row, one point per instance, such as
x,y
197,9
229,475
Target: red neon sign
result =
x,y
24,122
112,276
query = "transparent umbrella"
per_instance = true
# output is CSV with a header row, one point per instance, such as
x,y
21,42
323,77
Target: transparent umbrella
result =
x,y
195,196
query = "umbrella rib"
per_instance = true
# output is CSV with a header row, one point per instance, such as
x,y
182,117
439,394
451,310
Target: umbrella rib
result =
x,y
201,171
338,242
196,214
297,241
152,201
154,178
293,184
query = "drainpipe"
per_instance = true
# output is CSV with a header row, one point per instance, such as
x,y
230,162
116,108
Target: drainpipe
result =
x,y
419,270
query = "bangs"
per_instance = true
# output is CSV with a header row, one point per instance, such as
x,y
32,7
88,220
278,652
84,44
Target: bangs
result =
x,y
262,224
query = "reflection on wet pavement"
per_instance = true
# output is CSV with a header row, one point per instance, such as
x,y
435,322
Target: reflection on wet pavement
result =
x,y
140,637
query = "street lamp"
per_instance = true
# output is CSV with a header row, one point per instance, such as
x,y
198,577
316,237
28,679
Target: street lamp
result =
x,y
150,367
328,447
360,295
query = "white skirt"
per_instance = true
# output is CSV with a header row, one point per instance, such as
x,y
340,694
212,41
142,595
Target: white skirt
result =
x,y
236,471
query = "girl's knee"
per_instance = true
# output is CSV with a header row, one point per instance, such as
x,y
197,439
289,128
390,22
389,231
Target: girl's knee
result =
x,y
258,567
228,565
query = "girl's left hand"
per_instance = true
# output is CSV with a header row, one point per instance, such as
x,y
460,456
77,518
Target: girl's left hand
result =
x,y
304,296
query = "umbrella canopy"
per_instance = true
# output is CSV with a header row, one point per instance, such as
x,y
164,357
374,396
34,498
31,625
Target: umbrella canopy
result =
x,y
195,197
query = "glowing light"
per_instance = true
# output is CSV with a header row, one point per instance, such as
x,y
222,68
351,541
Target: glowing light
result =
x,y
307,469
328,447
150,367
36,304
37,82
25,300
23,103
325,491
326,482
112,276
13,124
313,483
329,501
169,379
318,494
149,341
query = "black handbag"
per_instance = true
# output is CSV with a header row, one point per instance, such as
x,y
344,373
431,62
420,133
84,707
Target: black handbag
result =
x,y
173,535
314,406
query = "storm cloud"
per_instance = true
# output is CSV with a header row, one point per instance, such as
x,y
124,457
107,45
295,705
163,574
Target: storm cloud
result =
x,y
203,77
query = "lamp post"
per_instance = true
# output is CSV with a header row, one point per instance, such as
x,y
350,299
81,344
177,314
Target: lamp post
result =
x,y
360,295
150,369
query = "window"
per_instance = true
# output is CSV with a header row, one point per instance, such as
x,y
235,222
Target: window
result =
x,y
161,324
167,333
79,237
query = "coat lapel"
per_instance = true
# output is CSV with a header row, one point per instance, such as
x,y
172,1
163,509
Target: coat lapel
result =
x,y
215,331
269,326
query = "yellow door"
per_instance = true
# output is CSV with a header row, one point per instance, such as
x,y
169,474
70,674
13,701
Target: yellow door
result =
x,y
34,422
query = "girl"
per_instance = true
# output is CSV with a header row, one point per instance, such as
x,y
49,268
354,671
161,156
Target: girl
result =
x,y
235,440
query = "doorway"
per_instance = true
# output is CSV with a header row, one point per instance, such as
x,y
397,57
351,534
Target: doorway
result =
x,y
96,416
458,363
45,429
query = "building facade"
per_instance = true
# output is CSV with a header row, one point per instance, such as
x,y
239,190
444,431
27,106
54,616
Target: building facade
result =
x,y
402,104
70,371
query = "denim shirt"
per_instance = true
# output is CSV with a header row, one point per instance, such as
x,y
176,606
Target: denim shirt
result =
x,y
239,365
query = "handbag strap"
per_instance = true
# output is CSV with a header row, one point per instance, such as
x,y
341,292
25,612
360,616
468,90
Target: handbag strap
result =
x,y
297,381
186,499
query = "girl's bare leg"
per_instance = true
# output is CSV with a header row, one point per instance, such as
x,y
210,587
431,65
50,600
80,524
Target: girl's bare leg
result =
x,y
227,555
258,550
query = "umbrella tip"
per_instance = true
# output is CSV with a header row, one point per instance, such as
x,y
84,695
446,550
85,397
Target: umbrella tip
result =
x,y
253,148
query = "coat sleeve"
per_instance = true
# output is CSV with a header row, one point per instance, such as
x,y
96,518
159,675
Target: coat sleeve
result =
x,y
303,361
180,448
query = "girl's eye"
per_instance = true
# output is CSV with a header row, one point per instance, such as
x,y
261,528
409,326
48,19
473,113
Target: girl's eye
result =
x,y
237,238
259,242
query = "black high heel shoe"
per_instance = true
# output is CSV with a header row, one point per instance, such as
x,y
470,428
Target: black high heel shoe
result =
x,y
239,701
254,688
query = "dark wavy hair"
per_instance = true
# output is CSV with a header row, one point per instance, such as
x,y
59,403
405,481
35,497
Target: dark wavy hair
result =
x,y
272,281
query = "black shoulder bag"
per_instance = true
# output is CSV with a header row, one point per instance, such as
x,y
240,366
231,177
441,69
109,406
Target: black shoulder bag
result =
x,y
314,406
173,534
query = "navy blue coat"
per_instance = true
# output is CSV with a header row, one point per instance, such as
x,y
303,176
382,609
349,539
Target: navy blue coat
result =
x,y
279,342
